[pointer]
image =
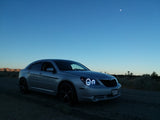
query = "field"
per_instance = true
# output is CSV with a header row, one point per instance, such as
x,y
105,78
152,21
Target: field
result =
x,y
132,105
145,82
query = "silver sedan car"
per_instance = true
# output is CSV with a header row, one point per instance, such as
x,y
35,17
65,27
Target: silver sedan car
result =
x,y
69,80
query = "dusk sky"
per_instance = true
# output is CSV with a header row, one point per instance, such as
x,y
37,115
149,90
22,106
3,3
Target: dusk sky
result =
x,y
114,36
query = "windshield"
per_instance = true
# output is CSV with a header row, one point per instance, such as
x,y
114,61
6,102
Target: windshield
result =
x,y
65,65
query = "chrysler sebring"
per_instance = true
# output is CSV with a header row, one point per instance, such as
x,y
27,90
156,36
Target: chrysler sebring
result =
x,y
69,80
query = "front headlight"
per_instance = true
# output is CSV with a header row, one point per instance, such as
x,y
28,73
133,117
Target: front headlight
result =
x,y
88,81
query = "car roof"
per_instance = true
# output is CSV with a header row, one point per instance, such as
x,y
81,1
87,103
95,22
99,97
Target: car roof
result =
x,y
52,60
43,60
46,60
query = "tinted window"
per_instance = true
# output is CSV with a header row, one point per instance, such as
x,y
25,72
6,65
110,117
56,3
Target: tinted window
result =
x,y
46,65
36,66
65,65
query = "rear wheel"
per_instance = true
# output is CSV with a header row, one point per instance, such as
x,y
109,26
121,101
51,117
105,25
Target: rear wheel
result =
x,y
67,93
23,86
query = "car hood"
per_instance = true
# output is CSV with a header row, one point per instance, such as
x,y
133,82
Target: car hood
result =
x,y
91,74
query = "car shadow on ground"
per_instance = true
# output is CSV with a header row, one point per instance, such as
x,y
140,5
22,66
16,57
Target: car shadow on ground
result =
x,y
43,98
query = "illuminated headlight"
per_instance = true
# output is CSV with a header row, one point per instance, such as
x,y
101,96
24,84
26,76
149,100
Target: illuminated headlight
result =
x,y
88,81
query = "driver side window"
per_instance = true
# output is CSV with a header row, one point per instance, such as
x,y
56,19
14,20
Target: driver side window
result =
x,y
48,67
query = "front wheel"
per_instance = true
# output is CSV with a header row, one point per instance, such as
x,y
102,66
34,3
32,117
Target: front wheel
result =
x,y
67,93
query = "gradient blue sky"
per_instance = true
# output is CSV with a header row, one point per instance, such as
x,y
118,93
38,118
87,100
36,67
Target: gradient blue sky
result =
x,y
115,36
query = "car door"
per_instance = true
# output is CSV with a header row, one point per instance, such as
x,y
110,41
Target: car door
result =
x,y
49,77
34,75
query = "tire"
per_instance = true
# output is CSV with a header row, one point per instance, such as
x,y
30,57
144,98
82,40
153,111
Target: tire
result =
x,y
67,93
23,86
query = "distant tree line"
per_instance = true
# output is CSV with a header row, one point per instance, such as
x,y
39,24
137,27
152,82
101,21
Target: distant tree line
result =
x,y
152,75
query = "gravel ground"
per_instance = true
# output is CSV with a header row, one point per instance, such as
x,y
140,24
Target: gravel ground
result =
x,y
132,105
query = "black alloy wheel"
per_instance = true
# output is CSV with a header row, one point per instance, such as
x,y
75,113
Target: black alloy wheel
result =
x,y
67,93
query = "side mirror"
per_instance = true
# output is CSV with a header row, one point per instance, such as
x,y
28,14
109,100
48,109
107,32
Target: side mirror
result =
x,y
50,69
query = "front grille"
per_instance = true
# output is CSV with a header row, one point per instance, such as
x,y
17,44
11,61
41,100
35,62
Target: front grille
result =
x,y
109,83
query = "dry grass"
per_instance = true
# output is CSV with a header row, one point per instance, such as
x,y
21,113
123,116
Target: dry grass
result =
x,y
9,74
140,82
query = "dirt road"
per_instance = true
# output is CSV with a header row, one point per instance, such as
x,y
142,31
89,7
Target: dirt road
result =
x,y
132,105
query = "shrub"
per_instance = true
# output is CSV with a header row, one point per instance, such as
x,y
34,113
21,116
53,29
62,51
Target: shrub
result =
x,y
154,75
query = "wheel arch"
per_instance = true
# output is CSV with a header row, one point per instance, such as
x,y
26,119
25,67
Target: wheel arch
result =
x,y
75,98
22,78
66,81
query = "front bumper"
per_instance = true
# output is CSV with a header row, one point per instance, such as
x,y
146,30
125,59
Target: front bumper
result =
x,y
98,93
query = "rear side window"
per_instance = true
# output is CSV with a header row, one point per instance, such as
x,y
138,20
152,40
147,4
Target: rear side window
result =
x,y
36,66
